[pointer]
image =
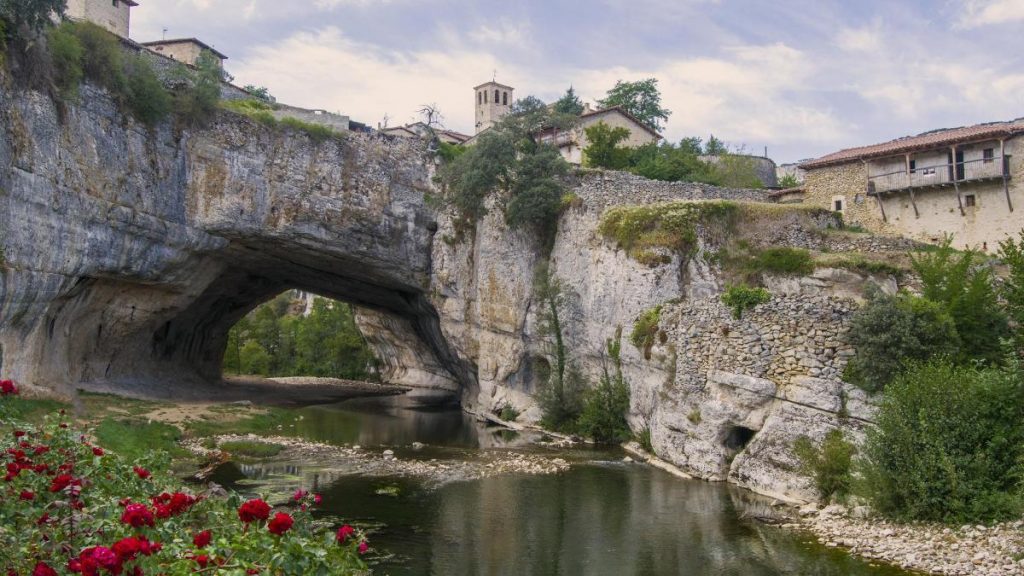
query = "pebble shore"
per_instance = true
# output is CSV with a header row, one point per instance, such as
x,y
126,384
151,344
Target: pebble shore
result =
x,y
930,548
384,462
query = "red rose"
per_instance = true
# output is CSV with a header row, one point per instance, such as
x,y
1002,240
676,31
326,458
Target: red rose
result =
x,y
127,548
19,433
61,482
317,499
202,540
43,569
254,510
27,495
363,547
8,387
97,451
137,516
280,524
344,532
252,571
299,494
141,472
202,560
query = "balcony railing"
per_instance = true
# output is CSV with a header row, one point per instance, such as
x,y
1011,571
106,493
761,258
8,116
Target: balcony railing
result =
x,y
945,174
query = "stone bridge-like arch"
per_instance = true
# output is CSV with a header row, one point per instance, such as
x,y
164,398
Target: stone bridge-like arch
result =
x,y
129,252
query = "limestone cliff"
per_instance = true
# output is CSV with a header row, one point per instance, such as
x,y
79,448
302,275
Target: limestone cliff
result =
x,y
128,253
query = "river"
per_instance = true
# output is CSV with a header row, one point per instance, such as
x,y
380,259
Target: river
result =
x,y
602,517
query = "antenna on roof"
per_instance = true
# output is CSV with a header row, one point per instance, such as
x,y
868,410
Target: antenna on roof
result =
x,y
165,34
494,78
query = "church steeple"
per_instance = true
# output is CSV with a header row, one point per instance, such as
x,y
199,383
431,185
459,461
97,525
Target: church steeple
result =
x,y
493,101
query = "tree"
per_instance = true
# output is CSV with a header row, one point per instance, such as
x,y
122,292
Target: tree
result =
x,y
641,99
560,395
963,286
691,145
33,14
431,115
789,181
260,93
569,103
605,406
603,150
1012,254
948,445
889,331
198,102
715,147
254,359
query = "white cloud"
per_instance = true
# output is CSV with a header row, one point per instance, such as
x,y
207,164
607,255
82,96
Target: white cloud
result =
x,y
978,13
504,32
867,39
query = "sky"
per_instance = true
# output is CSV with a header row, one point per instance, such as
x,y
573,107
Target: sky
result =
x,y
801,77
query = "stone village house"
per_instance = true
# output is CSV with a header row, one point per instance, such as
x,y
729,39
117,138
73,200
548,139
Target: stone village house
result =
x,y
494,100
963,181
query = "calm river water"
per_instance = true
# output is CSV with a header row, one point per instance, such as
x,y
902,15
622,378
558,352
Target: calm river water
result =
x,y
603,517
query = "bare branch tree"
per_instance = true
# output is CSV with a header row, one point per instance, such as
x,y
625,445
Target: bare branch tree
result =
x,y
431,115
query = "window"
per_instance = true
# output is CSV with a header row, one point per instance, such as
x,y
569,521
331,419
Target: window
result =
x,y
969,200
988,154
913,166
858,199
485,96
504,98
497,97
838,205
479,98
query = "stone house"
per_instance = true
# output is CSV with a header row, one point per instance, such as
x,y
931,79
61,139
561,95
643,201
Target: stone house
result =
x,y
572,143
962,181
187,50
421,130
114,15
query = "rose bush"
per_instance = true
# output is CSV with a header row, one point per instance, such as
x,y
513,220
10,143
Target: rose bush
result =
x,y
69,507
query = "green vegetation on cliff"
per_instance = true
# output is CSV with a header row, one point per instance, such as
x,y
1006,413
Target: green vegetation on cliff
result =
x,y
276,339
647,232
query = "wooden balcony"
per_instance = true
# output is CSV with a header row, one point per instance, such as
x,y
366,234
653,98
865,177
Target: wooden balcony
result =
x,y
941,175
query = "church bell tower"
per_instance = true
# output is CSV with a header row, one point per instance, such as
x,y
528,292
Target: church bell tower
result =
x,y
493,101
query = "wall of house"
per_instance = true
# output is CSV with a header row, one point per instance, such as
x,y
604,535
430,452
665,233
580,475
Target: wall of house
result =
x,y
114,16
637,136
186,52
846,182
982,226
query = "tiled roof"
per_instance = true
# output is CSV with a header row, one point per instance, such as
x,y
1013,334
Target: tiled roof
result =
x,y
195,41
785,191
926,141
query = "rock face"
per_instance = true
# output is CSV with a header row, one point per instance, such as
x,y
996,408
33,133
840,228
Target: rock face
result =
x,y
130,252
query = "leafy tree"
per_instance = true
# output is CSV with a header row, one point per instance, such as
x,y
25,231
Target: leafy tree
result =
x,y
641,99
828,465
33,14
789,181
254,359
260,93
560,394
197,103
605,406
735,171
103,60
1012,290
948,445
149,100
715,147
66,53
537,192
963,287
691,145
889,331
569,103
603,150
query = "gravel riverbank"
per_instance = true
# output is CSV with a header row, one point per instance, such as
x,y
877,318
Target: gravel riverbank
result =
x,y
935,549
347,460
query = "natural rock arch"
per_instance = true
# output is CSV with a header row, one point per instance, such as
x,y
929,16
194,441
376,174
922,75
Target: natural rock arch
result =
x,y
129,252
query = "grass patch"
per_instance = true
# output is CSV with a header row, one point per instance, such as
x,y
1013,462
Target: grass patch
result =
x,y
252,448
645,331
318,132
33,410
741,297
135,438
694,417
644,439
642,230
273,420
262,112
858,263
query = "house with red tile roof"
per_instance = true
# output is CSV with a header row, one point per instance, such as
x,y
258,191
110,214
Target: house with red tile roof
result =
x,y
964,181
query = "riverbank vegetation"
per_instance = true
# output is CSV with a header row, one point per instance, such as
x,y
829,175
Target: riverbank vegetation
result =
x,y
72,504
284,338
948,440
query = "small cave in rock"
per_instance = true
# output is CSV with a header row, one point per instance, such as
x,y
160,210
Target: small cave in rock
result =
x,y
738,438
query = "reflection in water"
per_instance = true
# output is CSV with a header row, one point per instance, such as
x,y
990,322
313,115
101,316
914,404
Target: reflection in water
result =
x,y
599,518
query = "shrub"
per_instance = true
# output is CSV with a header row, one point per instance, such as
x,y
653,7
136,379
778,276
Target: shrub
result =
x,y
645,331
103,61
672,225
1012,289
889,331
783,260
948,445
644,439
741,297
196,102
828,465
130,516
508,413
695,417
963,287
67,54
318,132
606,405
148,100
34,14
561,399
